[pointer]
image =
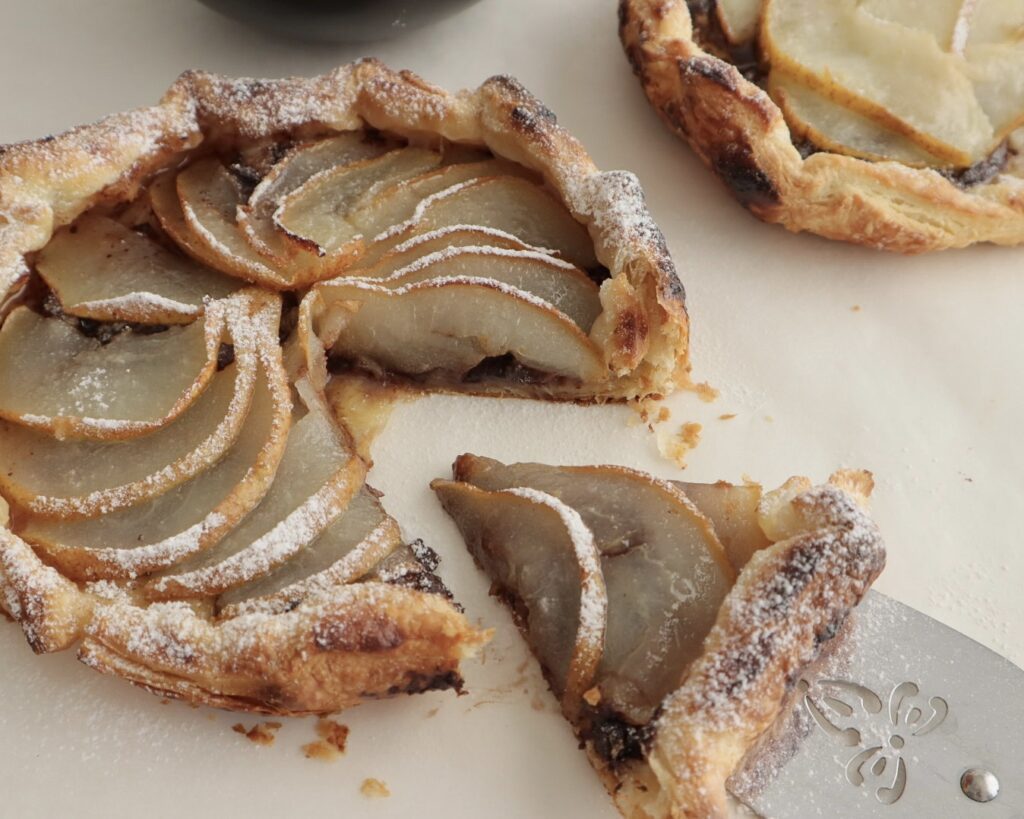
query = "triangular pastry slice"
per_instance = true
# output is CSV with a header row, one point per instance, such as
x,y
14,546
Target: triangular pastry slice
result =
x,y
670,652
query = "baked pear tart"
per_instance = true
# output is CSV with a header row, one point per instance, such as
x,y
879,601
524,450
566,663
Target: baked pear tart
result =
x,y
892,124
195,298
670,619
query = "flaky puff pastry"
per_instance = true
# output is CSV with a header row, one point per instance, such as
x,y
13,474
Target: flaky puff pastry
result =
x,y
740,133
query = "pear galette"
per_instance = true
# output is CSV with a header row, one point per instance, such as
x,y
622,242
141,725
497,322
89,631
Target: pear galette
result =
x,y
889,123
670,619
180,491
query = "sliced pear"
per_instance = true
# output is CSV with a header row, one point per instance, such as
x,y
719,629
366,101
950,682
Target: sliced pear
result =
x,y
74,479
994,51
997,73
302,163
738,19
315,214
375,213
562,285
539,553
860,61
452,325
996,22
210,198
665,571
834,127
732,510
349,548
304,354
317,477
255,219
939,18
102,270
508,203
189,518
378,266
56,380
163,199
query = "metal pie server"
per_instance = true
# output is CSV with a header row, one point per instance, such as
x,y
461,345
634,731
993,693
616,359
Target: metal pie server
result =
x,y
904,717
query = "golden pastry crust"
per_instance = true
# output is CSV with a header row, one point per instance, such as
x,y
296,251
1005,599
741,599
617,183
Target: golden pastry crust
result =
x,y
643,329
331,651
740,133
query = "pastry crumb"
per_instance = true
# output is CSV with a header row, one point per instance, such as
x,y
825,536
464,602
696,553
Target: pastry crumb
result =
x,y
592,696
706,392
855,308
374,789
333,738
649,411
726,416
675,447
262,733
319,750
432,713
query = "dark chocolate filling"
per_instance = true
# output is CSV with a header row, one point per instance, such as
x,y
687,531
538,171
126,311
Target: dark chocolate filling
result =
x,y
503,370
615,740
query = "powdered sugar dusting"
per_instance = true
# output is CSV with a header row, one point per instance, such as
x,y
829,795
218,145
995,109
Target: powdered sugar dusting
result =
x,y
615,205
300,528
246,338
445,281
593,599
354,565
476,250
400,227
770,622
140,305
440,233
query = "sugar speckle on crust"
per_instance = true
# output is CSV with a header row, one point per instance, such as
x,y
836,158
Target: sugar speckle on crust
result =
x,y
767,619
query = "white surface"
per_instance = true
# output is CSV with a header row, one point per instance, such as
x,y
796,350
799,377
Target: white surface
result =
x,y
922,386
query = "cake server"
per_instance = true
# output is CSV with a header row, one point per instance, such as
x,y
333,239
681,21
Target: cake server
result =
x,y
903,717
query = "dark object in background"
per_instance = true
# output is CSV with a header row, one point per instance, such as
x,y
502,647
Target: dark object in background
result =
x,y
338,20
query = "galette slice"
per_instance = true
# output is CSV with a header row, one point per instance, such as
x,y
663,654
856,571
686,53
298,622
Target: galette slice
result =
x,y
670,651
